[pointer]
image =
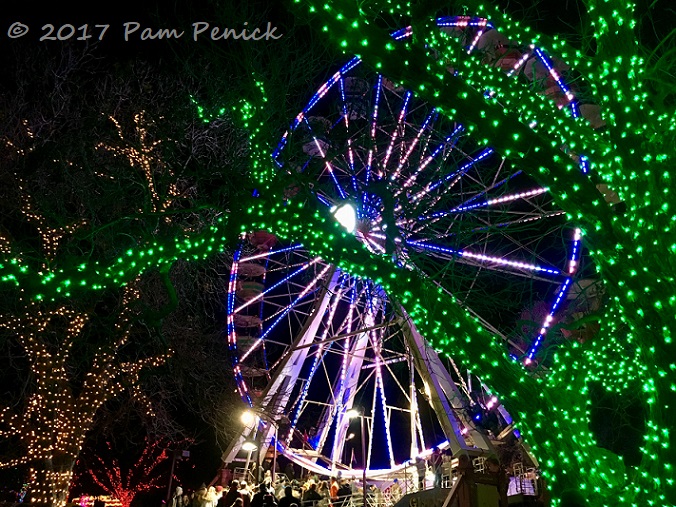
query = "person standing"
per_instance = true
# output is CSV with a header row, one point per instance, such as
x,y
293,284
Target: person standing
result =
x,y
259,495
333,491
245,493
177,498
288,499
233,493
436,461
421,468
311,497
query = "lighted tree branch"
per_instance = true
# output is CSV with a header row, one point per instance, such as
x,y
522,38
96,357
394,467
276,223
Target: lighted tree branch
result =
x,y
58,414
125,482
624,364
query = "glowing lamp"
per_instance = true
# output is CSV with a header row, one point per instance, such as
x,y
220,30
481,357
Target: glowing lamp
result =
x,y
249,445
352,413
248,418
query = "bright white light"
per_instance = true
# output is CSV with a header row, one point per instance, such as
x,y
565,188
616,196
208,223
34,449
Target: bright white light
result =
x,y
346,216
248,418
249,446
352,413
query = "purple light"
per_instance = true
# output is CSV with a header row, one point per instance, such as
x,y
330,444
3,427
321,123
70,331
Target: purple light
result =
x,y
402,33
555,74
323,90
286,310
429,159
486,258
319,354
501,200
266,291
548,321
270,252
462,22
455,175
402,115
413,144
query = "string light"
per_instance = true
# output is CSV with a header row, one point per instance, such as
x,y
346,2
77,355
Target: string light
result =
x,y
56,419
125,483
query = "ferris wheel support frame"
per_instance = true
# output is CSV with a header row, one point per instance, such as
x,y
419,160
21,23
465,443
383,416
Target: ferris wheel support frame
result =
x,y
448,400
277,393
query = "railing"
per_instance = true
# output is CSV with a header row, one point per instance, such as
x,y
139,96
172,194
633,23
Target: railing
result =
x,y
243,474
524,481
474,478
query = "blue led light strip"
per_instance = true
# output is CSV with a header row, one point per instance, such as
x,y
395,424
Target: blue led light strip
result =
x,y
320,353
548,321
466,206
554,73
442,145
286,310
270,252
273,287
232,339
485,258
455,175
323,90
404,159
400,120
573,264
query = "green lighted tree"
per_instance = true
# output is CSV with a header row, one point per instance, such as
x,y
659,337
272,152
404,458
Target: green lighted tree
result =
x,y
633,252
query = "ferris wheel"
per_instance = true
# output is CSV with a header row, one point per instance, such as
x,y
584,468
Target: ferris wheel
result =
x,y
411,183
311,342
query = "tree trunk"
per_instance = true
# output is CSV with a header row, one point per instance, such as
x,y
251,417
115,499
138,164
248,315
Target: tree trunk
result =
x,y
52,481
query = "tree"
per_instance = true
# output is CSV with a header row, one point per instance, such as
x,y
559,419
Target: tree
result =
x,y
633,251
110,174
50,425
150,470
80,354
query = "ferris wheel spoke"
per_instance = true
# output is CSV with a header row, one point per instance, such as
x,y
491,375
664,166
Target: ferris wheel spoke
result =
x,y
453,177
527,218
518,245
387,364
500,200
276,285
501,261
396,131
322,349
270,253
450,141
414,143
350,152
520,218
375,338
286,310
465,204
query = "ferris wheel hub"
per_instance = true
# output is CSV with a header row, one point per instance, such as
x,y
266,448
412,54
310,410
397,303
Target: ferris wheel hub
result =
x,y
346,216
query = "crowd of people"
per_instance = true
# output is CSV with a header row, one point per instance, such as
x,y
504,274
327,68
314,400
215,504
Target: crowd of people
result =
x,y
314,492
432,471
